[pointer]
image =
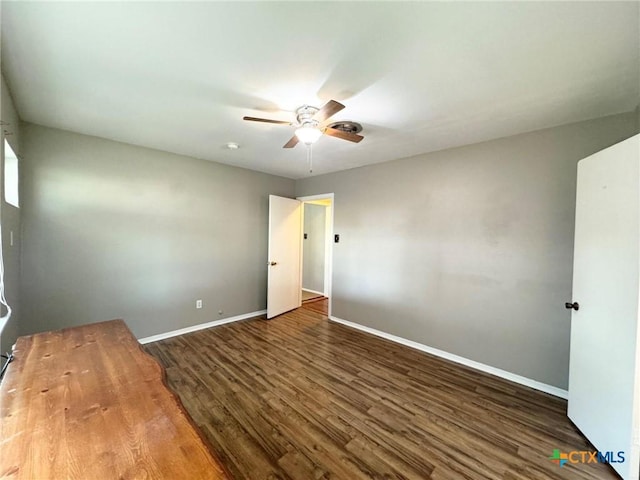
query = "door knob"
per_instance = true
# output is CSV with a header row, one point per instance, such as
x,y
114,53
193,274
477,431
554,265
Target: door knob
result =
x,y
574,305
272,263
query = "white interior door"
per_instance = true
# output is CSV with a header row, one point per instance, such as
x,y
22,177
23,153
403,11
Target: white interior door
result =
x,y
603,374
284,288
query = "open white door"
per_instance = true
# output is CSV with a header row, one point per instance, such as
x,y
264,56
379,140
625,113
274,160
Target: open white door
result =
x,y
604,387
284,287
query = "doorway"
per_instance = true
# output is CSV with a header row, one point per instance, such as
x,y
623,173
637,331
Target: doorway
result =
x,y
317,242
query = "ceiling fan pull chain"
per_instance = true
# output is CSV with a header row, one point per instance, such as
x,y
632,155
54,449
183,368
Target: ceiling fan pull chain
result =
x,y
309,158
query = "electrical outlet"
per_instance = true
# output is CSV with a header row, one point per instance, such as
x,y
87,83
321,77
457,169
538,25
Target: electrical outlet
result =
x,y
198,303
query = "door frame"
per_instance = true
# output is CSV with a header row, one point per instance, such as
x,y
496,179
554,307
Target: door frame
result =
x,y
328,253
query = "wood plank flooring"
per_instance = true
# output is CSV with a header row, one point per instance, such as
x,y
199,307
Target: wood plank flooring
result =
x,y
306,295
317,305
300,397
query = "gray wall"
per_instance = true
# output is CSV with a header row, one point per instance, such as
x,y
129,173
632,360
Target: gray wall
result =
x,y
313,247
116,231
468,250
10,220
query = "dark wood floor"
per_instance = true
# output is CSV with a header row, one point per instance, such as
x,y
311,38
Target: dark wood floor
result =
x,y
301,397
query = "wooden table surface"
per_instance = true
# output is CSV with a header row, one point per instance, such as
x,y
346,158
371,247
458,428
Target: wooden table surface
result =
x,y
88,403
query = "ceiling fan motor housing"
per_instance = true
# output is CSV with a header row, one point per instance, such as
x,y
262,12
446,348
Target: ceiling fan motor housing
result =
x,y
305,114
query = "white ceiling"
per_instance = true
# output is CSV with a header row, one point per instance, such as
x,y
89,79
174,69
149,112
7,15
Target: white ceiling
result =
x,y
419,77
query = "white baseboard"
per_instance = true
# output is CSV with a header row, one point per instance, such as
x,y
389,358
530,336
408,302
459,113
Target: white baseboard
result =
x,y
202,326
527,382
312,291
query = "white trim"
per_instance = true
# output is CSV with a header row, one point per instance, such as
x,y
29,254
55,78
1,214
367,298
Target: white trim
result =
x,y
202,326
312,291
527,382
328,245
322,196
300,260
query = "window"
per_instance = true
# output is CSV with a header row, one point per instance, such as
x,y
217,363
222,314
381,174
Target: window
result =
x,y
11,196
10,176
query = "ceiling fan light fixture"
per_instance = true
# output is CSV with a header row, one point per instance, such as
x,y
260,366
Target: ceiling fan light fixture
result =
x,y
308,134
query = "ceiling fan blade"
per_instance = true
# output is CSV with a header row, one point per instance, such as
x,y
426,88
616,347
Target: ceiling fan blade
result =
x,y
291,143
329,109
266,120
334,132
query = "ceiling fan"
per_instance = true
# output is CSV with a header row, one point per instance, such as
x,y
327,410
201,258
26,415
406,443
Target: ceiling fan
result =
x,y
310,125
